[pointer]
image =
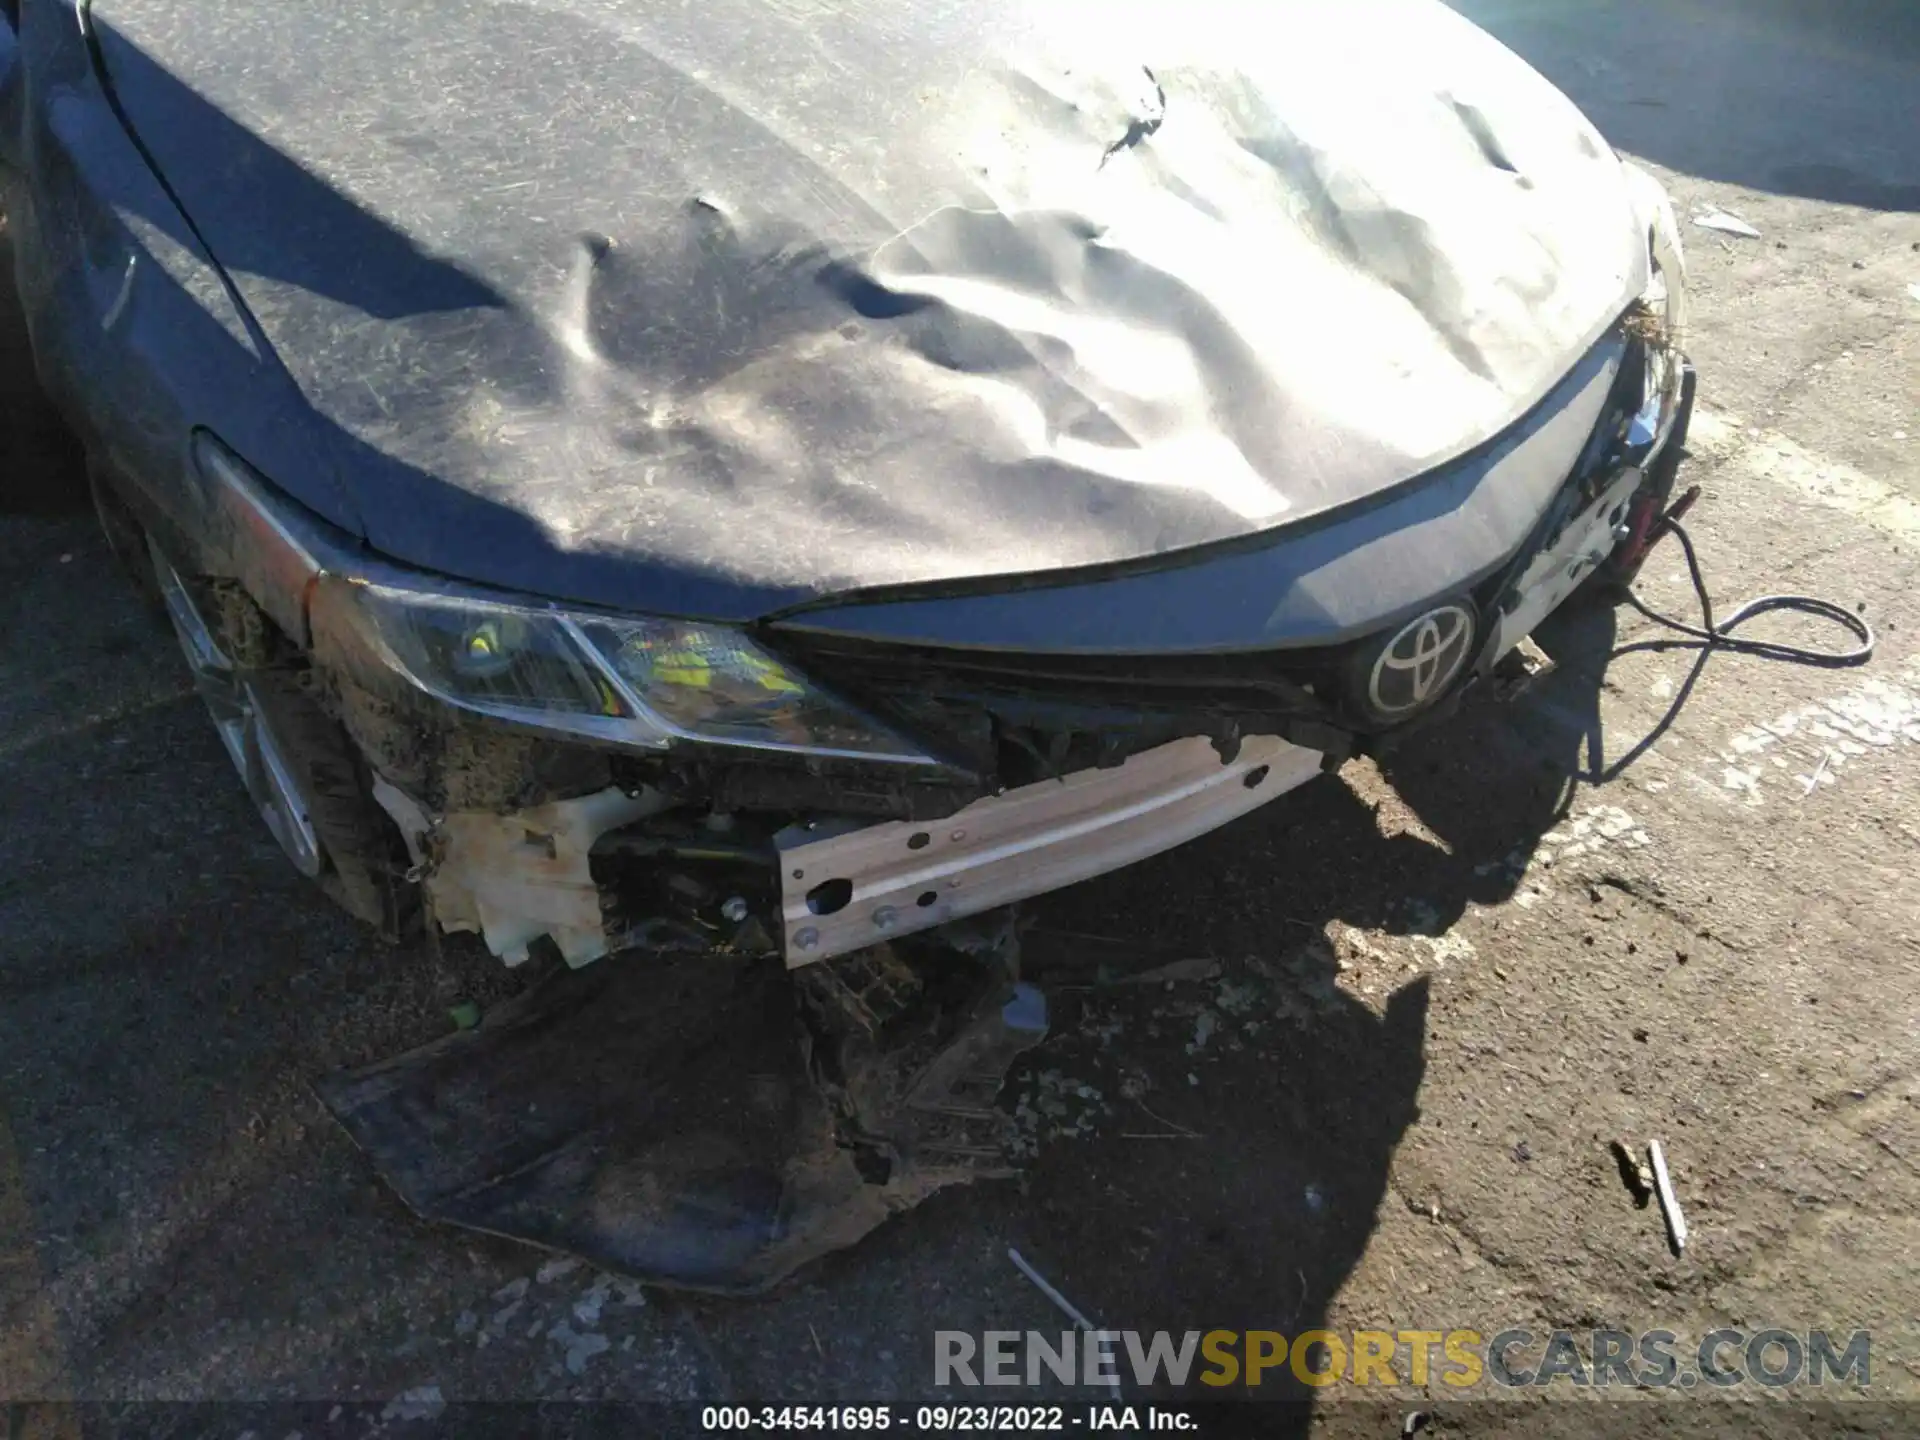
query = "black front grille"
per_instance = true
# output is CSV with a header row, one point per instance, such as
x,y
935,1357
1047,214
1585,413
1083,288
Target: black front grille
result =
x,y
1020,717
1257,680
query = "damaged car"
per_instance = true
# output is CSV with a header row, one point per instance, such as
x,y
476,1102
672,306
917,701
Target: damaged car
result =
x,y
744,494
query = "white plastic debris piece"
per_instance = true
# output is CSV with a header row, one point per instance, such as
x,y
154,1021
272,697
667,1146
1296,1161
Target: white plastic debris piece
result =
x,y
1726,224
1669,1202
1813,780
1914,291
513,878
1065,1306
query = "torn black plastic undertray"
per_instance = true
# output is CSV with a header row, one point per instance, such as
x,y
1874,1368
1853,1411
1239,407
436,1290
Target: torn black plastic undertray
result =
x,y
662,1117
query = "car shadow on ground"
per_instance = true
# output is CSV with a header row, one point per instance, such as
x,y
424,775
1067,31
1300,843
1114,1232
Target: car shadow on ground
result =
x,y
42,463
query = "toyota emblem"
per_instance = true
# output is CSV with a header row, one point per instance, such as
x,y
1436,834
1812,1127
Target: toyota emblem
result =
x,y
1420,662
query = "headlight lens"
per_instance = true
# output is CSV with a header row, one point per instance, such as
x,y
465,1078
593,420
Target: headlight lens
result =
x,y
714,684
500,659
1661,316
1660,388
639,682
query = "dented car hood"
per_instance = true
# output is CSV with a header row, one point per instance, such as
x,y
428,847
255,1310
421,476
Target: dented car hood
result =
x,y
715,308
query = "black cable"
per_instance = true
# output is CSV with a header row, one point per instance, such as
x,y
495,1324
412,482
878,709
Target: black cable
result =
x,y
1721,636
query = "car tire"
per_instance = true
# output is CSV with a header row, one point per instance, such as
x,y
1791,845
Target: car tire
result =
x,y
312,786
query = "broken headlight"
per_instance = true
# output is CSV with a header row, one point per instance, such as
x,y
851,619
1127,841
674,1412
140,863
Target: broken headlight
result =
x,y
1660,368
640,682
1659,318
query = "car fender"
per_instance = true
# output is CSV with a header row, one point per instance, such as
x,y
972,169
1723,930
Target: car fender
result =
x,y
137,335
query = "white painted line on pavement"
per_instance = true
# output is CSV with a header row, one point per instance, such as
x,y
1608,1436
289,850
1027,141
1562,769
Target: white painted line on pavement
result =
x,y
1810,747
1763,454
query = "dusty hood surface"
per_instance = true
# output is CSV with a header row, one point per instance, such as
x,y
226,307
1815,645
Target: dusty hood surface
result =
x,y
712,307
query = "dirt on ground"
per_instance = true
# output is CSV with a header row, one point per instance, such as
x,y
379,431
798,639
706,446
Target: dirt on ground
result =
x,y
1662,896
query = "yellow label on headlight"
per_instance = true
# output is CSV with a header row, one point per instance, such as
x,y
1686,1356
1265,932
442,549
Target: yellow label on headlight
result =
x,y
686,668
689,666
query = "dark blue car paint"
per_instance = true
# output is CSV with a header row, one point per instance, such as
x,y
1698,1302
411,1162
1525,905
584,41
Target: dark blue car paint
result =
x,y
142,337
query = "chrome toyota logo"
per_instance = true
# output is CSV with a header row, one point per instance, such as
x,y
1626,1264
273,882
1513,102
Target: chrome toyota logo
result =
x,y
1421,661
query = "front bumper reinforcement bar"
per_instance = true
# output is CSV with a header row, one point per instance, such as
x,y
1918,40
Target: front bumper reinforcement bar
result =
x,y
843,892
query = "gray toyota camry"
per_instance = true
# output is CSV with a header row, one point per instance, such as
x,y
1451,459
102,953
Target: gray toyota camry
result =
x,y
779,483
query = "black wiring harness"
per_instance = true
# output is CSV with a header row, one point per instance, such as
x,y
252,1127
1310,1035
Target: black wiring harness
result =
x,y
1720,636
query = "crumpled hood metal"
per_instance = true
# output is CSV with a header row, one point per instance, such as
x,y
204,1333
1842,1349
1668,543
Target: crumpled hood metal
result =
x,y
723,306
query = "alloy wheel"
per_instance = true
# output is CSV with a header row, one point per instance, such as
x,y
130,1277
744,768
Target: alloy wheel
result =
x,y
242,724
